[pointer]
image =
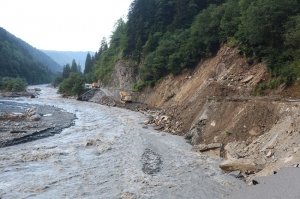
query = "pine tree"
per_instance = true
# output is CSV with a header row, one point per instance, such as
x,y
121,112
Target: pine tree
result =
x,y
66,71
74,66
88,64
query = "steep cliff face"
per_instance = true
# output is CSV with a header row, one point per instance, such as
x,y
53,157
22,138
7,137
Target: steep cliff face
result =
x,y
124,75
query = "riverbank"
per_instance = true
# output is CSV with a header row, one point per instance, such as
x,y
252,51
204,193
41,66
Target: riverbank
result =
x,y
20,122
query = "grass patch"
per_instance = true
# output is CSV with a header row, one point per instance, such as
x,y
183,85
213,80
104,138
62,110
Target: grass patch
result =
x,y
227,132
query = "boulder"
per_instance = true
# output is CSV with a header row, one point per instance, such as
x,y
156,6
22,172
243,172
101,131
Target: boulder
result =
x,y
255,130
238,164
269,154
146,122
31,111
247,79
35,117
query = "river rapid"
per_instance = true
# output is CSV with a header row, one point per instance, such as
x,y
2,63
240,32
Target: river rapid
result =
x,y
108,153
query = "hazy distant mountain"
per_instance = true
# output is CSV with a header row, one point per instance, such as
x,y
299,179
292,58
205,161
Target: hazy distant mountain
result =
x,y
19,59
64,57
41,56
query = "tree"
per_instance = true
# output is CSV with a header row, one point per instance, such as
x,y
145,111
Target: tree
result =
x,y
88,64
79,70
262,21
66,71
12,84
57,80
74,66
73,85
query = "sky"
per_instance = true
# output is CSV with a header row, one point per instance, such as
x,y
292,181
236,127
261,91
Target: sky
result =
x,y
63,25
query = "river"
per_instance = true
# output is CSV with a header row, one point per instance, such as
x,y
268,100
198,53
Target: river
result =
x,y
108,153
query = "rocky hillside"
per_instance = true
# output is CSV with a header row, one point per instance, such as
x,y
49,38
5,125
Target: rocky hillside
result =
x,y
215,107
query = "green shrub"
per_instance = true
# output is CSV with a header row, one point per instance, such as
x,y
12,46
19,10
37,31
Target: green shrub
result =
x,y
250,61
258,89
73,85
13,84
232,42
227,132
141,85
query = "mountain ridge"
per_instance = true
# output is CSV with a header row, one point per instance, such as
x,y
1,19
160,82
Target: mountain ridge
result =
x,y
65,57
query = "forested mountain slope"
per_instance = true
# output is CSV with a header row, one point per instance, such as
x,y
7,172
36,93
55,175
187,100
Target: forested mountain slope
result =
x,y
64,57
163,37
19,59
40,56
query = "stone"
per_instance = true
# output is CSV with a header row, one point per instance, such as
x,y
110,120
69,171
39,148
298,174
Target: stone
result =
x,y
209,149
244,165
88,143
213,123
206,147
35,117
158,128
146,122
255,130
31,111
269,154
247,79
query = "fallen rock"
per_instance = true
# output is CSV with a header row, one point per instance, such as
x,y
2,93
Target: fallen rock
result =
x,y
31,111
206,147
255,130
213,149
146,122
269,154
238,164
35,117
158,127
247,79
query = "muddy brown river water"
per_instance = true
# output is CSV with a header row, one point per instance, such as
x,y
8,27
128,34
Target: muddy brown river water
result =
x,y
108,153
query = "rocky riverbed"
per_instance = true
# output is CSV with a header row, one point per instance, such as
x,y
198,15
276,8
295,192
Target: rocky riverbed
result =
x,y
20,123
107,153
